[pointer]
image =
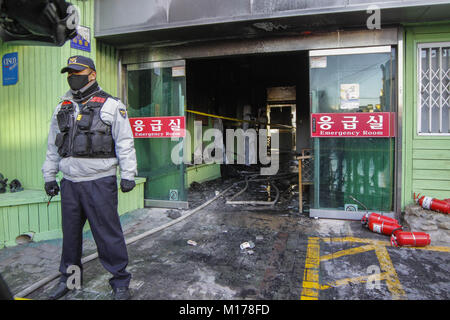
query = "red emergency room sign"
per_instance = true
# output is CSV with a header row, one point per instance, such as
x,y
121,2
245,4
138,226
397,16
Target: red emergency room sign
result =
x,y
356,125
158,127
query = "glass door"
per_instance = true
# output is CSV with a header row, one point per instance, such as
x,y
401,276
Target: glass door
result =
x,y
353,105
157,91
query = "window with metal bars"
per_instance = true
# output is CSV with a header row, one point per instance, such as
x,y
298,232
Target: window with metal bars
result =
x,y
434,89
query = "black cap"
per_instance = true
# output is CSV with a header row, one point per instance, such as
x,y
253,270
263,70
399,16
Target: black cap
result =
x,y
78,63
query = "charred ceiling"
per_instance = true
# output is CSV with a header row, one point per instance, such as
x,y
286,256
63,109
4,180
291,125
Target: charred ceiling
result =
x,y
166,22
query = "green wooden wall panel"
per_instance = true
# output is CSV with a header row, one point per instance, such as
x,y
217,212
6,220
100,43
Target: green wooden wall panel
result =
x,y
13,222
2,227
443,144
431,154
441,185
4,217
26,108
53,216
43,217
435,164
33,216
46,221
432,174
23,219
425,159
438,194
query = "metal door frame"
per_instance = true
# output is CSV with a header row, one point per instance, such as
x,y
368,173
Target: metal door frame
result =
x,y
357,215
146,66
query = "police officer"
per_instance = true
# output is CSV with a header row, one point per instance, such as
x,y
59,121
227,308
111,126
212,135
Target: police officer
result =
x,y
89,137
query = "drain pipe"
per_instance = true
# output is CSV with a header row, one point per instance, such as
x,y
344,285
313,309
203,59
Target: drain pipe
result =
x,y
93,256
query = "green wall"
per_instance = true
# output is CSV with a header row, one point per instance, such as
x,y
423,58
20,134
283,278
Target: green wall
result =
x,y
426,159
26,107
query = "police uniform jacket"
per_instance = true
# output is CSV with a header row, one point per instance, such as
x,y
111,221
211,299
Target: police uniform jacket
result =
x,y
76,169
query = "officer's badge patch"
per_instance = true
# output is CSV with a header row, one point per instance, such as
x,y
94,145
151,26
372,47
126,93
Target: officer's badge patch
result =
x,y
123,113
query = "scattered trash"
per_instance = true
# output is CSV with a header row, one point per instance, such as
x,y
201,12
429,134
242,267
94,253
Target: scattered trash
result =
x,y
247,245
217,193
192,243
259,238
173,214
195,186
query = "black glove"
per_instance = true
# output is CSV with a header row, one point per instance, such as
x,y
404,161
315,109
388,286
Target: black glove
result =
x,y
51,188
127,185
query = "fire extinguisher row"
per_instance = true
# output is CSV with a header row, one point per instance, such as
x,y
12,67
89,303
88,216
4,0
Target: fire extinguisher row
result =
x,y
385,225
391,227
433,204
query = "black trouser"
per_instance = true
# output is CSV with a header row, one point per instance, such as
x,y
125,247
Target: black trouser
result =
x,y
95,200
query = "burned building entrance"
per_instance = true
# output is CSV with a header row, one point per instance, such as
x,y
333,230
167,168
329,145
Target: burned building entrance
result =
x,y
329,117
333,108
269,92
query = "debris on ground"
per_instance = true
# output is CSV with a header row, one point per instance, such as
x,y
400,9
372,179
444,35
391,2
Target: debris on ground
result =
x,y
173,214
192,243
195,186
247,245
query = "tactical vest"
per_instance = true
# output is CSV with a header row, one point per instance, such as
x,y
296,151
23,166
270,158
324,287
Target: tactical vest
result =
x,y
87,136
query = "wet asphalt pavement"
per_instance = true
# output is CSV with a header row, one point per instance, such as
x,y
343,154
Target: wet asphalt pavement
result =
x,y
294,257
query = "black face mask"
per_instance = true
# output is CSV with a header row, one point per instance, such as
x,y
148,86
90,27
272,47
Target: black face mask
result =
x,y
78,81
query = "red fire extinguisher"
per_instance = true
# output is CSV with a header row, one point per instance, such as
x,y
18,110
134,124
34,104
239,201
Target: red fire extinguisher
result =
x,y
433,204
375,217
383,227
407,238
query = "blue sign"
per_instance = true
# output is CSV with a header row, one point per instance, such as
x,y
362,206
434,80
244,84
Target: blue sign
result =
x,y
10,68
83,39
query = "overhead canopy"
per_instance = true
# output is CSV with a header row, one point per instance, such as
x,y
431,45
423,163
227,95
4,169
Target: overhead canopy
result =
x,y
136,23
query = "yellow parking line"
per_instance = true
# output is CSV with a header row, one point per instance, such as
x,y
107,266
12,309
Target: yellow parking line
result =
x,y
360,240
342,282
347,252
311,284
432,248
392,281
